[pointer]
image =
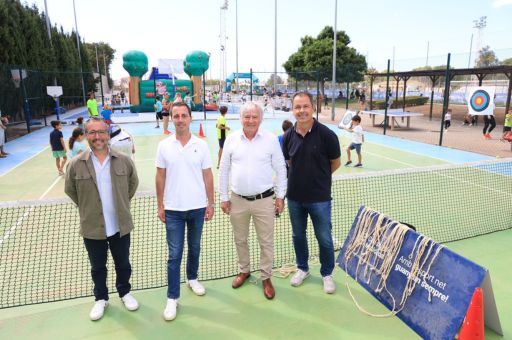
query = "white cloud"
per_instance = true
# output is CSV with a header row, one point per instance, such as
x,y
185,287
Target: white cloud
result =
x,y
501,3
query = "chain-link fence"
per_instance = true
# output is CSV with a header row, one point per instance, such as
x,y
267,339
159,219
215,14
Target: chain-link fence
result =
x,y
23,97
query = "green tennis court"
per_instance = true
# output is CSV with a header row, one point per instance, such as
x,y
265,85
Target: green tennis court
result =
x,y
43,260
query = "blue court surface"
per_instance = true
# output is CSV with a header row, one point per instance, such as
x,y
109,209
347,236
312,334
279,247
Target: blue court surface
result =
x,y
24,148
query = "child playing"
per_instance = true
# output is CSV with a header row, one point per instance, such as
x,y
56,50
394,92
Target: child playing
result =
x,y
80,123
357,141
507,126
75,142
222,130
106,113
3,126
158,110
188,100
286,125
58,146
447,119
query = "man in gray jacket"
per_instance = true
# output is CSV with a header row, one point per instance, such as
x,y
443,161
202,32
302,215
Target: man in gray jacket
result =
x,y
101,182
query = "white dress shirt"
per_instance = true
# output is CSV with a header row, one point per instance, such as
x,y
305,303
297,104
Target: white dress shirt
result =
x,y
251,164
104,183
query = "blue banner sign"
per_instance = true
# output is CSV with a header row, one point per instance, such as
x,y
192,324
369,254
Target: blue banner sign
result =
x,y
425,284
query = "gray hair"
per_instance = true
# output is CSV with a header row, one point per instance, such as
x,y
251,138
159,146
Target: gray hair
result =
x,y
95,119
251,106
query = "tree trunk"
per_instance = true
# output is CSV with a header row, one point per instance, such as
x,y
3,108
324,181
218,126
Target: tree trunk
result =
x,y
133,90
197,88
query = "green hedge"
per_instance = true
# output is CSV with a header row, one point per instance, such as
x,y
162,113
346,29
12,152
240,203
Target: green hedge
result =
x,y
398,104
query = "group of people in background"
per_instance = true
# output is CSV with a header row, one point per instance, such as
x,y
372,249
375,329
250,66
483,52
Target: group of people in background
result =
x,y
163,107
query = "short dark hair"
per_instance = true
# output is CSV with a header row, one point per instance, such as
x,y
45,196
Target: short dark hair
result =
x,y
80,120
304,94
356,118
286,125
223,109
157,97
182,104
55,123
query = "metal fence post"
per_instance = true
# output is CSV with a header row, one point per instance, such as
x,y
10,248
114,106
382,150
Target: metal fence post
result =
x,y
446,99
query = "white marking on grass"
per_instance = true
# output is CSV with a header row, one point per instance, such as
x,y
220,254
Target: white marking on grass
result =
x,y
13,227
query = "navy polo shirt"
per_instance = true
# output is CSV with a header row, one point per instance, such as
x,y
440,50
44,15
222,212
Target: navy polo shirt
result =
x,y
309,177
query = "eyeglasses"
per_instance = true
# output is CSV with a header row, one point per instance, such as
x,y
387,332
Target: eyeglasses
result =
x,y
97,132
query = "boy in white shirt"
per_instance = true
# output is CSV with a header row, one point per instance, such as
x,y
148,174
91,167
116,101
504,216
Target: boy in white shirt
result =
x,y
447,119
357,141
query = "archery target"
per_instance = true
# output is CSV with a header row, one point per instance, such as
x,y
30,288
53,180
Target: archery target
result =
x,y
480,102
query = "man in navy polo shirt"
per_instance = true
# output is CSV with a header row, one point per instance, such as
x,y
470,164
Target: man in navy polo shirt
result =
x,y
313,153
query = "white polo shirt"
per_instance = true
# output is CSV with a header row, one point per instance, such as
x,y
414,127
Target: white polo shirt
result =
x,y
184,183
104,183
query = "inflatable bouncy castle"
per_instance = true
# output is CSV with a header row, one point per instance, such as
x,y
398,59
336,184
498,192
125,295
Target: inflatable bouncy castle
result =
x,y
143,92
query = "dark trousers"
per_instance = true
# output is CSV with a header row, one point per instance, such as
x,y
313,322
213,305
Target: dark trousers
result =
x,y
98,252
489,124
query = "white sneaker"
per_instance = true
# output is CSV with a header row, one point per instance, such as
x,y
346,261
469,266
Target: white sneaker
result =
x,y
129,302
329,285
299,278
196,287
170,309
98,310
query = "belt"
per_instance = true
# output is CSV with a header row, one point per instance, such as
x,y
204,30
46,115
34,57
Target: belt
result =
x,y
264,194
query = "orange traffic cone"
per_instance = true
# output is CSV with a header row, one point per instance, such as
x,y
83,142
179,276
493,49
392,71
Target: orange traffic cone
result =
x,y
473,325
201,132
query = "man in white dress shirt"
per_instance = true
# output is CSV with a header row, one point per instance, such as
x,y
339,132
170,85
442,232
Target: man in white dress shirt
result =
x,y
250,158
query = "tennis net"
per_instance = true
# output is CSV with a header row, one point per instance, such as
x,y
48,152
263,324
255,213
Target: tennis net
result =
x,y
42,258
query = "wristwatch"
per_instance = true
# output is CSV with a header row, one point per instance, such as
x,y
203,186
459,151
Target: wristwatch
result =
x,y
211,205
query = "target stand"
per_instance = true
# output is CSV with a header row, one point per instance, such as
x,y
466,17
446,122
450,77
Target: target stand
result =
x,y
481,101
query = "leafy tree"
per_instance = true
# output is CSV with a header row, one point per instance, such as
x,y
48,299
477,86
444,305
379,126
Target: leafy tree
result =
x,y
507,62
270,81
486,57
105,58
314,57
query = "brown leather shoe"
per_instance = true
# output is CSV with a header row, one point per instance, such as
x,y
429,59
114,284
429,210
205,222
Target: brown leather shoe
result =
x,y
268,289
240,279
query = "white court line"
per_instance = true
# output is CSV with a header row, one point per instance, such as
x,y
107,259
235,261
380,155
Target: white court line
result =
x,y
12,229
444,175
26,160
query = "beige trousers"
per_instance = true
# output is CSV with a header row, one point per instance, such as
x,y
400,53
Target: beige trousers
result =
x,y
262,213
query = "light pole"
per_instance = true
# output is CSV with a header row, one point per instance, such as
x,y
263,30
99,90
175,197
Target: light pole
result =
x,y
275,45
236,41
79,54
333,110
479,24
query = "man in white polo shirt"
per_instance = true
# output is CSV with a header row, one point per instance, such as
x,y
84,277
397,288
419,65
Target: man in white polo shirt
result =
x,y
184,189
251,156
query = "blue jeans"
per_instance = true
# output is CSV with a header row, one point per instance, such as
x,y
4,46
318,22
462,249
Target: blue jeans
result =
x,y
320,213
175,225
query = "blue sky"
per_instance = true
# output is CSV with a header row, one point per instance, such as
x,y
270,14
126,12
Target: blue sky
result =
x,y
171,29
